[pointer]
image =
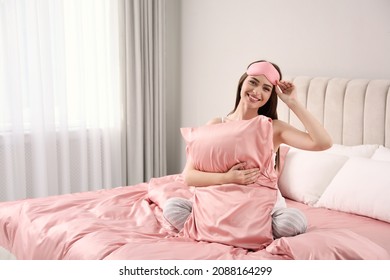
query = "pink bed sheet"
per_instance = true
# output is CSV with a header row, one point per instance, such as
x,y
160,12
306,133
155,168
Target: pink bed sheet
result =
x,y
127,223
321,219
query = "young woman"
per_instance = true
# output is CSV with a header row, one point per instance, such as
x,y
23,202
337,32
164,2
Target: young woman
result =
x,y
258,91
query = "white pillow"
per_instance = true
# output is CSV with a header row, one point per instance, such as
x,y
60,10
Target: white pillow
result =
x,y
382,153
366,150
362,186
306,174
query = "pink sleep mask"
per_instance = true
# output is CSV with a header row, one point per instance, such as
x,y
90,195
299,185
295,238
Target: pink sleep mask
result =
x,y
264,68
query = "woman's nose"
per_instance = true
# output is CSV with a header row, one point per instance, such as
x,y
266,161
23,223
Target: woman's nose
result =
x,y
257,94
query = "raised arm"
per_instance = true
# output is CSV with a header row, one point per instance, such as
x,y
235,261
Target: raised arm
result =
x,y
315,138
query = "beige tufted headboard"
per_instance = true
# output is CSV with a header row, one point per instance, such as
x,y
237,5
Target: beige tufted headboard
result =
x,y
354,111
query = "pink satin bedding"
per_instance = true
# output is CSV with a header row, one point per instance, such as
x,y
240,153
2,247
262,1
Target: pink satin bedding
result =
x,y
127,223
324,219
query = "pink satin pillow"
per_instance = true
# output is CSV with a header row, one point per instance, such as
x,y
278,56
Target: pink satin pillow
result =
x,y
233,214
217,147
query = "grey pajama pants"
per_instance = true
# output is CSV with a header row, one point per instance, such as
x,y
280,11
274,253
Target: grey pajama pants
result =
x,y
285,221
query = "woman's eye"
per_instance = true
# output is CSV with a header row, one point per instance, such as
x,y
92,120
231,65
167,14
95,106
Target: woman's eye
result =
x,y
252,82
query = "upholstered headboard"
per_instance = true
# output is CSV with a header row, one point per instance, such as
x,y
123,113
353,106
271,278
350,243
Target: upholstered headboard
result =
x,y
354,111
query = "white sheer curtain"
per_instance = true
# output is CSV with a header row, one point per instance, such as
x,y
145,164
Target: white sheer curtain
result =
x,y
60,97
143,61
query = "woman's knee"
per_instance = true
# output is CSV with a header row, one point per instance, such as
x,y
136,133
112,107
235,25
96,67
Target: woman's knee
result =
x,y
288,222
176,211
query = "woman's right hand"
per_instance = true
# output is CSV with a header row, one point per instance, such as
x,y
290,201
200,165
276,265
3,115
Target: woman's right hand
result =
x,y
239,175
288,92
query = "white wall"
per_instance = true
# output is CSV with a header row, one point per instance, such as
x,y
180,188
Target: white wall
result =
x,y
219,38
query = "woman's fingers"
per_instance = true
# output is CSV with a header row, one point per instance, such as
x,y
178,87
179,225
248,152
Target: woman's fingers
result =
x,y
238,166
244,176
250,176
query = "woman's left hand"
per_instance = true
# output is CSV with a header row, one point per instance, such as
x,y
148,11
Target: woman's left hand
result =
x,y
288,92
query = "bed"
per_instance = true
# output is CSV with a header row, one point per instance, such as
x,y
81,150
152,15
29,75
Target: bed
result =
x,y
344,193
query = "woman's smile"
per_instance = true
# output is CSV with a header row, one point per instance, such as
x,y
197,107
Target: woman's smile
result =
x,y
252,98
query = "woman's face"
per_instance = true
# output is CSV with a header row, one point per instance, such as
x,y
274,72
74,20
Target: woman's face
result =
x,y
256,90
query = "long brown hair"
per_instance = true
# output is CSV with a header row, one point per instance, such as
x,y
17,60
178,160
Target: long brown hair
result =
x,y
269,109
